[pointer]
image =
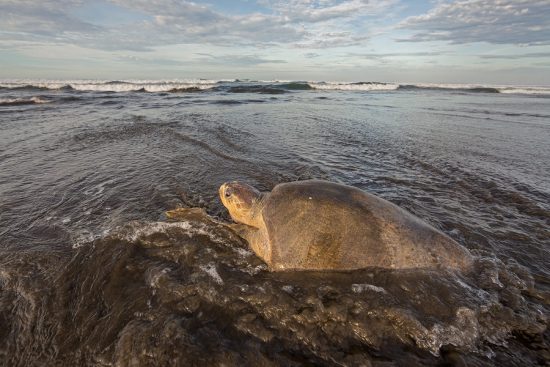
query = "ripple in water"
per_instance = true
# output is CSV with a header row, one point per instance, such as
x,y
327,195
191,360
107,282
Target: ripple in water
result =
x,y
91,273
190,292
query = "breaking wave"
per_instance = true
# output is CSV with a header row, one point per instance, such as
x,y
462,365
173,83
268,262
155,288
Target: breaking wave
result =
x,y
260,87
22,101
453,88
357,86
92,272
114,86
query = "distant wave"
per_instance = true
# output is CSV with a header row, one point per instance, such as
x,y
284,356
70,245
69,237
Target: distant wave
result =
x,y
525,90
266,87
22,101
23,87
456,89
260,87
113,86
377,86
295,86
355,86
185,90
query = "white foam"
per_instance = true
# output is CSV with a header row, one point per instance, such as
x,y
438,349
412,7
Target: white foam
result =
x,y
448,86
210,269
131,85
115,86
39,100
83,237
353,86
287,288
139,230
464,331
394,86
155,277
360,288
36,100
530,90
507,89
254,270
242,252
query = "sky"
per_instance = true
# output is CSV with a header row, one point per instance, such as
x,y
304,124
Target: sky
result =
x,y
462,41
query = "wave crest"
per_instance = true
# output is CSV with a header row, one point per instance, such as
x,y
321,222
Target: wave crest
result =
x,y
262,87
356,86
22,101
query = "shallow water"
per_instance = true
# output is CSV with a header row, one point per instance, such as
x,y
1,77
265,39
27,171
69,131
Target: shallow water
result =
x,y
92,274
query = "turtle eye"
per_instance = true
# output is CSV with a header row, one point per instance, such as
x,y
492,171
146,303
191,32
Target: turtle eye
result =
x,y
228,193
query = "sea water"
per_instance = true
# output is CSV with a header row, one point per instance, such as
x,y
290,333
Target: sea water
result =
x,y
91,273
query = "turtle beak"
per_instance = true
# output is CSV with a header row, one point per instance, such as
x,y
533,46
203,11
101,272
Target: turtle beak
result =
x,y
221,191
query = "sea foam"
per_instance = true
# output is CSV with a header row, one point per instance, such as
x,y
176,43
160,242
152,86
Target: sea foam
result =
x,y
22,101
225,85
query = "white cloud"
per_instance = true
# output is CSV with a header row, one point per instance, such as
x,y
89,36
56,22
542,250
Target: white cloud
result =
x,y
517,56
524,22
377,56
40,17
313,11
298,23
236,60
324,40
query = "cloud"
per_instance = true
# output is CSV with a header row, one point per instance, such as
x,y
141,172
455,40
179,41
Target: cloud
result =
x,y
311,55
236,60
524,22
41,17
131,59
298,23
330,23
331,39
313,11
517,56
187,22
51,21
395,54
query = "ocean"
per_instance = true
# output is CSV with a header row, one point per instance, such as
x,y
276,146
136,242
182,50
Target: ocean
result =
x,y
93,273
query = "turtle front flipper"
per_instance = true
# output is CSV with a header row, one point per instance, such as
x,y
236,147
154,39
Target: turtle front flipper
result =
x,y
242,230
182,214
256,238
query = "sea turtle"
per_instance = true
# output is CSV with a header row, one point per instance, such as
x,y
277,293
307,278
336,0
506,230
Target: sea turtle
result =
x,y
320,225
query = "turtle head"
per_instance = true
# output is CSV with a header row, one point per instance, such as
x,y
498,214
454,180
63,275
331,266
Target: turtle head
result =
x,y
240,200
